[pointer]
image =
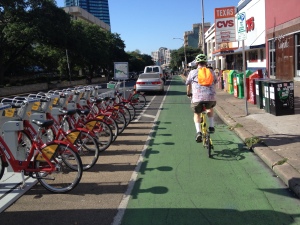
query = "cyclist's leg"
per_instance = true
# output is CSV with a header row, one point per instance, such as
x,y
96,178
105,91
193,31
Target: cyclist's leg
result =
x,y
197,109
210,115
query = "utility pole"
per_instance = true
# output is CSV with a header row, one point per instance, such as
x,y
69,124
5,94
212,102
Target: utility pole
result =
x,y
203,33
184,49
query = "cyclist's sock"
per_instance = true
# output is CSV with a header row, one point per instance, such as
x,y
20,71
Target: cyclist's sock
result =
x,y
211,121
197,125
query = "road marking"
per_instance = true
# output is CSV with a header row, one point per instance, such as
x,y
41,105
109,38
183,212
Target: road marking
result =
x,y
145,108
124,202
147,115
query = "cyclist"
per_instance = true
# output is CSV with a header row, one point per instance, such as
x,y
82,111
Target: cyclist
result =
x,y
201,94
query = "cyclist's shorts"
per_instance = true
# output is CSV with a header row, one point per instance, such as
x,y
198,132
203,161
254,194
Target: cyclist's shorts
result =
x,y
197,107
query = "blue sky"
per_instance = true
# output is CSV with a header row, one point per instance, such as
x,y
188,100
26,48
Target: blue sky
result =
x,y
147,25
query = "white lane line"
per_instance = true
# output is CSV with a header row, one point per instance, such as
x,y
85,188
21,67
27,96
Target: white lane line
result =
x,y
145,108
147,115
124,202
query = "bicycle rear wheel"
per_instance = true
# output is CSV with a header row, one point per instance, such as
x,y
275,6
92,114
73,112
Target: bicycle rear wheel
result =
x,y
67,174
208,145
138,101
88,149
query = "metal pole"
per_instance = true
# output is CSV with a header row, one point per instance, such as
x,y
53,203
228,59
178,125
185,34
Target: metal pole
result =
x,y
185,60
203,35
68,65
245,85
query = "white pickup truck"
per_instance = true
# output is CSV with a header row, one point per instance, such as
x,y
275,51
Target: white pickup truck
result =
x,y
155,69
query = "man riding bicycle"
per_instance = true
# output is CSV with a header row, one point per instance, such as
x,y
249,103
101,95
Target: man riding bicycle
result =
x,y
201,94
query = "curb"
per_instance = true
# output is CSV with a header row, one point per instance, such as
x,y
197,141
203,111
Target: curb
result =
x,y
285,171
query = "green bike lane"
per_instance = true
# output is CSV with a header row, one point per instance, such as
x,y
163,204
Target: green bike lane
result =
x,y
178,184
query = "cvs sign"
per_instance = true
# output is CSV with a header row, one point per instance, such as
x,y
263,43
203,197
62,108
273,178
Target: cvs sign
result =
x,y
225,23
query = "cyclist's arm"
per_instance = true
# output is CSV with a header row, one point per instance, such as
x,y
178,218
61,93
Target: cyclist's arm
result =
x,y
189,89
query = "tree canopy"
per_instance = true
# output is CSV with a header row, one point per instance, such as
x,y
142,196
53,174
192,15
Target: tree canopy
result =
x,y
36,33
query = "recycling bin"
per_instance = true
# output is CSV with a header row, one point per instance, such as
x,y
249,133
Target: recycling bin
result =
x,y
251,87
231,75
248,74
225,76
281,101
240,84
259,92
235,87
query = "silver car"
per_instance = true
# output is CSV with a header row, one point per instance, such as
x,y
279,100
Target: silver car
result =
x,y
150,82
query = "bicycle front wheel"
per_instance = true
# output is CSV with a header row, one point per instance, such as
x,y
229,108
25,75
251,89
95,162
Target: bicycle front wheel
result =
x,y
88,149
113,126
1,168
126,114
67,173
131,109
138,101
103,135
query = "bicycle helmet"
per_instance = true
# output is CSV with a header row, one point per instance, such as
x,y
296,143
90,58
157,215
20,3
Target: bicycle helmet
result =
x,y
201,58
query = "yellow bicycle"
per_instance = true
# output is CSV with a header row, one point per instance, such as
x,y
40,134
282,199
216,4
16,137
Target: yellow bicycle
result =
x,y
206,139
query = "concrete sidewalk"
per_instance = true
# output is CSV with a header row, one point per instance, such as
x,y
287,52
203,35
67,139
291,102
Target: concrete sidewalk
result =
x,y
278,137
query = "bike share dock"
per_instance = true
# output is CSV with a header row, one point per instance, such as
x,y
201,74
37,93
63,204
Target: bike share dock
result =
x,y
11,183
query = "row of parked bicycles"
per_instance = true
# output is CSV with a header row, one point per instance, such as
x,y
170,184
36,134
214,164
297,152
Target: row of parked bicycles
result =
x,y
54,136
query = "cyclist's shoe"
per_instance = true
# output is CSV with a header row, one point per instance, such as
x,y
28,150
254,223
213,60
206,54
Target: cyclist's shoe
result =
x,y
211,130
199,137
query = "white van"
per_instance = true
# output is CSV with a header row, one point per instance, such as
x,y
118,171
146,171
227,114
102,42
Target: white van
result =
x,y
155,69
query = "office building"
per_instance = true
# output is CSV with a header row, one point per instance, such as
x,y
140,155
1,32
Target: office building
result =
x,y
162,57
98,8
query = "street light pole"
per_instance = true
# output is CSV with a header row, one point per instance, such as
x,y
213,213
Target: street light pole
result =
x,y
185,60
203,34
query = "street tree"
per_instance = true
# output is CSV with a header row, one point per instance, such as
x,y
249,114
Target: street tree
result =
x,y
24,24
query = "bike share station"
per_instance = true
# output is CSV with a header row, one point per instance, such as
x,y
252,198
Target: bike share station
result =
x,y
14,184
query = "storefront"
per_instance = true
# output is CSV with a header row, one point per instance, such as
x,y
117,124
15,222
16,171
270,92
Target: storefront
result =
x,y
230,55
254,45
283,39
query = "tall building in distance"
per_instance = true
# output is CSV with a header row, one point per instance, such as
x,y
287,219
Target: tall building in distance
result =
x,y
162,57
98,8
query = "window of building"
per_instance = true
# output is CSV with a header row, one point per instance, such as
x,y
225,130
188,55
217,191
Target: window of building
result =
x,y
253,56
272,58
297,58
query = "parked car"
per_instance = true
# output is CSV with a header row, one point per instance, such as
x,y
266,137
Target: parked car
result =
x,y
150,82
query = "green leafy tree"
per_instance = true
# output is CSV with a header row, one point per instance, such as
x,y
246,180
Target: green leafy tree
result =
x,y
138,61
177,56
26,23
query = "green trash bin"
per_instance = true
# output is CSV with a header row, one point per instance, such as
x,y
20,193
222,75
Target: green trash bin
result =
x,y
281,97
231,75
240,84
266,95
259,92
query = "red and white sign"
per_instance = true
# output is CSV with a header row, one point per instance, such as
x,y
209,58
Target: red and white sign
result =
x,y
225,24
